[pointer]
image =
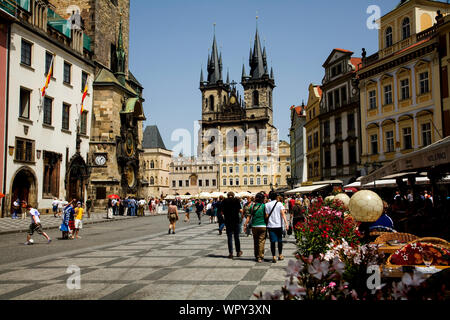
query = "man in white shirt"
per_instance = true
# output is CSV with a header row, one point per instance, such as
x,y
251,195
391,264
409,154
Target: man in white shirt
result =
x,y
142,204
55,204
35,226
276,213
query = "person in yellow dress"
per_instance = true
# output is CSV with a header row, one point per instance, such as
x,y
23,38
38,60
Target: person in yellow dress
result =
x,y
79,211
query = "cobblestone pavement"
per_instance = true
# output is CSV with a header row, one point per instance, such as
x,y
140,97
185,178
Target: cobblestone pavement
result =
x,y
190,265
9,225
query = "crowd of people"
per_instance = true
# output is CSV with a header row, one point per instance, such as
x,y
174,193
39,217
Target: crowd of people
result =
x,y
132,206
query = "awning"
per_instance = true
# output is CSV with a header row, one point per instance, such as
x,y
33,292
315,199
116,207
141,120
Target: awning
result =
x,y
433,155
308,189
356,184
392,183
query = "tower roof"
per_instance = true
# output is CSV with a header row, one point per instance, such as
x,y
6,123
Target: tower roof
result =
x,y
257,63
214,64
152,139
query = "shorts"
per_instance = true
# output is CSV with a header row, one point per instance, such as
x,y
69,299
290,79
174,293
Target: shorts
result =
x,y
172,220
55,209
78,224
35,228
71,224
275,234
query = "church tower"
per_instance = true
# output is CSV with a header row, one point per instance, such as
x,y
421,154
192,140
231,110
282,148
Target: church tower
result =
x,y
259,84
214,90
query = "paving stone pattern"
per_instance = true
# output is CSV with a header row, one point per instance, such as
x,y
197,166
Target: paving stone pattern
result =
x,y
190,265
9,225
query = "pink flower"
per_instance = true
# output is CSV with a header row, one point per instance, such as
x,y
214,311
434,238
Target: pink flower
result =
x,y
332,284
319,269
294,268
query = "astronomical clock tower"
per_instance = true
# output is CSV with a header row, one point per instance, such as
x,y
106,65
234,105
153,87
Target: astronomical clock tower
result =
x,y
117,131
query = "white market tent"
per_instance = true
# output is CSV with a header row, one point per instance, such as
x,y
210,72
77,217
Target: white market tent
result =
x,y
308,189
389,182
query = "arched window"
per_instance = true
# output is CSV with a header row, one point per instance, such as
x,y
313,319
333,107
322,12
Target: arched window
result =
x,y
388,37
152,181
224,100
211,103
270,99
152,164
255,98
406,29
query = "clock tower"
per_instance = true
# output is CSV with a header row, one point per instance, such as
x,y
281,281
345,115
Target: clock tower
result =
x,y
116,134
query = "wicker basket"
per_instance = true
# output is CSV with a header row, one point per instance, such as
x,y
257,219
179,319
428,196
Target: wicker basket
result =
x,y
401,237
434,241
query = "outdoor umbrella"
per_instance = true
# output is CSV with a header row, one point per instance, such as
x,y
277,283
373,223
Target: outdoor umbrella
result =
x,y
2,195
351,189
113,196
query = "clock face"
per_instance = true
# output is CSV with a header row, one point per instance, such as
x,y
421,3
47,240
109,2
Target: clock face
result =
x,y
100,160
232,100
129,145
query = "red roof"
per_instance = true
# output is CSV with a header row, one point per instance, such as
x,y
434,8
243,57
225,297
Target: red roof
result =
x,y
343,50
357,62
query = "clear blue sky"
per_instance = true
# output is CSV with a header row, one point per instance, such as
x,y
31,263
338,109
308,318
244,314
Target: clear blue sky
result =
x,y
169,42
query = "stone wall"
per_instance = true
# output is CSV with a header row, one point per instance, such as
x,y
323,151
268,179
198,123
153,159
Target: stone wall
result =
x,y
101,18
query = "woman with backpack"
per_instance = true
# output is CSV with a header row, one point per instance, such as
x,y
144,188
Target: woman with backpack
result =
x,y
257,212
172,214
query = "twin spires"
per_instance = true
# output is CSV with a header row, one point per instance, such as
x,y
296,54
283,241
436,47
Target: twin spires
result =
x,y
257,61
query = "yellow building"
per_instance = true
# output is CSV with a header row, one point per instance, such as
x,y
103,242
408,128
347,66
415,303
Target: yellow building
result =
x,y
313,138
400,85
443,29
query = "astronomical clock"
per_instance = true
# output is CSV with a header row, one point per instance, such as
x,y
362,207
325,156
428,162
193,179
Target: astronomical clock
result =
x,y
128,153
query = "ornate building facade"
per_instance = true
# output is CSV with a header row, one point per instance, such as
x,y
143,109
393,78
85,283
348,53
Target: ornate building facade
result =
x,y
313,134
339,117
47,133
400,85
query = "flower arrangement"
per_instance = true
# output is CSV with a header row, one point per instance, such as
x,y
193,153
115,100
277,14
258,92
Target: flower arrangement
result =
x,y
318,279
412,254
322,228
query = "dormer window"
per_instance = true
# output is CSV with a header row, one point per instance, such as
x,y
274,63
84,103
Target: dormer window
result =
x,y
406,29
336,70
389,37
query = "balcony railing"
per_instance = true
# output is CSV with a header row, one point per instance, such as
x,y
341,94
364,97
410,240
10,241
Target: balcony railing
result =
x,y
8,6
403,44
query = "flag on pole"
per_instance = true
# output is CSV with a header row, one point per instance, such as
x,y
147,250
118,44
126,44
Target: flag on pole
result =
x,y
49,77
84,96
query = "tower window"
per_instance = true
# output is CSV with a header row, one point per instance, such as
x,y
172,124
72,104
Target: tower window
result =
x,y
255,98
211,103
